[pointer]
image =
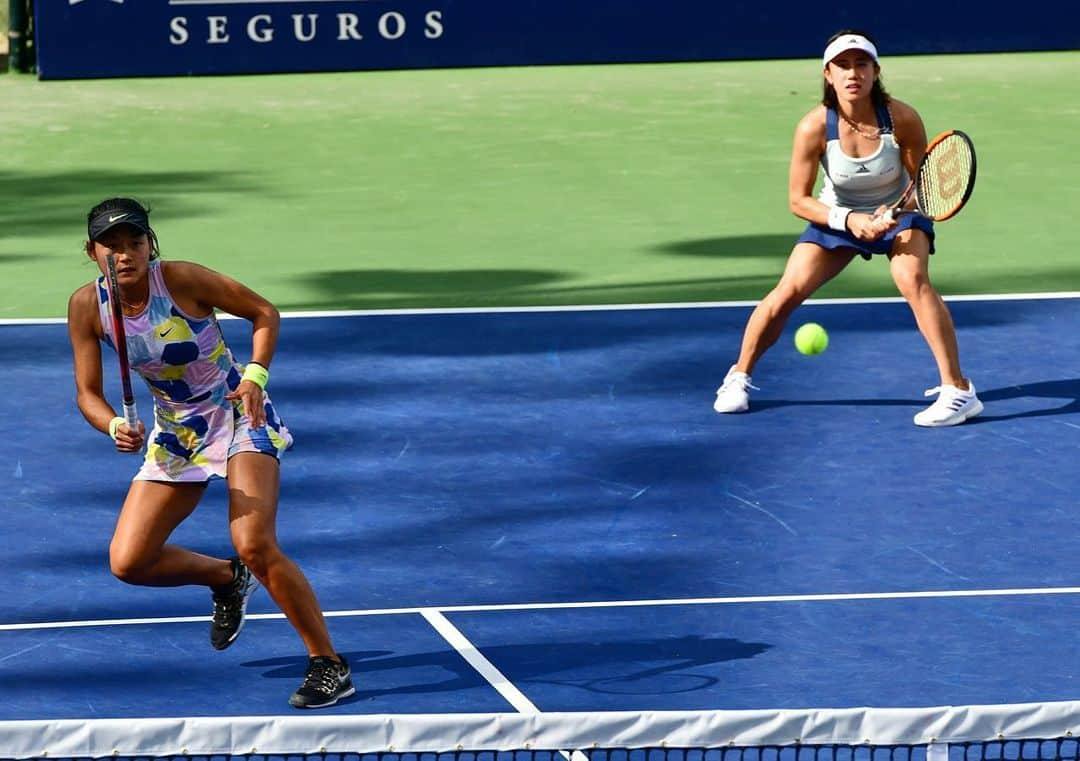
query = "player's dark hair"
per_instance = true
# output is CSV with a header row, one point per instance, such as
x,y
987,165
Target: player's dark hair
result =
x,y
125,204
878,96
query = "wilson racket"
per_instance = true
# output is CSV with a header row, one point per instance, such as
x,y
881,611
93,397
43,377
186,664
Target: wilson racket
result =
x,y
131,416
943,181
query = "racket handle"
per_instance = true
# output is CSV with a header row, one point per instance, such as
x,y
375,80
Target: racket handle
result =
x,y
131,416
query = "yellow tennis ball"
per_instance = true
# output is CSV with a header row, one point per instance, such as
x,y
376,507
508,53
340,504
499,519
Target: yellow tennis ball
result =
x,y
811,338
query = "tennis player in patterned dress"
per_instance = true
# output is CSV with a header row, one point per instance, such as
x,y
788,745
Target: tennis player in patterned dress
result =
x,y
868,145
212,419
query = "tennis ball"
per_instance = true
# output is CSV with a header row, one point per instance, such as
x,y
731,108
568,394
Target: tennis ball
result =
x,y
811,338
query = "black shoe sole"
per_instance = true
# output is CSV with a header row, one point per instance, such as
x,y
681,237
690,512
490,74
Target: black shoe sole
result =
x,y
327,704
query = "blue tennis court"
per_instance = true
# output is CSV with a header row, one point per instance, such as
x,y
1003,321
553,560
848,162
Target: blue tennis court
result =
x,y
537,510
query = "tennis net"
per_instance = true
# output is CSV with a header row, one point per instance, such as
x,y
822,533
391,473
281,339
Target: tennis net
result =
x,y
1024,732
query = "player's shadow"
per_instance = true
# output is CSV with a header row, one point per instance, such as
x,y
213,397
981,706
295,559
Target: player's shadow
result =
x,y
769,404
1066,391
641,667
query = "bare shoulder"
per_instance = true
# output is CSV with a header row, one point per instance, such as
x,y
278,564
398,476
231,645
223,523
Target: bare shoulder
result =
x,y
82,316
810,135
812,125
190,285
83,301
186,277
178,269
904,115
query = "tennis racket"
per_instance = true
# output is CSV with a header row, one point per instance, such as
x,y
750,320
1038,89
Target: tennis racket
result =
x,y
944,180
131,416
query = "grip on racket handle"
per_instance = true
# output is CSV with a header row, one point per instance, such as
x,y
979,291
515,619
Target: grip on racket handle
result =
x,y
131,416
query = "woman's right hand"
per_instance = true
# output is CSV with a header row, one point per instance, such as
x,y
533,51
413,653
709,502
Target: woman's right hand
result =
x,y
869,226
129,441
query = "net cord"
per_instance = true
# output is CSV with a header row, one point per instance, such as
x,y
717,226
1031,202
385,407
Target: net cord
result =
x,y
297,735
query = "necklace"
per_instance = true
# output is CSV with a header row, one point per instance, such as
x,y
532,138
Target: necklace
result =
x,y
858,130
135,307
877,133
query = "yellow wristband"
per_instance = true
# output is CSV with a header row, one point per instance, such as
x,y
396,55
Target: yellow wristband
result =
x,y
257,374
114,426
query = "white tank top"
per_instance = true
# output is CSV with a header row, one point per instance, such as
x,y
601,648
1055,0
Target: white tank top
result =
x,y
862,184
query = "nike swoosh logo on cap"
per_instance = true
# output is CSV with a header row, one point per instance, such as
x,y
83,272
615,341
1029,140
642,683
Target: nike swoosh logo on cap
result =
x,y
118,216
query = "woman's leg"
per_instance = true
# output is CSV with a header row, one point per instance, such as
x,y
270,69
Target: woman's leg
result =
x,y
808,268
138,553
909,265
253,498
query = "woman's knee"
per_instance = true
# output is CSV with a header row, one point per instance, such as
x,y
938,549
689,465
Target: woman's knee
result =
x,y
258,551
127,565
911,281
786,297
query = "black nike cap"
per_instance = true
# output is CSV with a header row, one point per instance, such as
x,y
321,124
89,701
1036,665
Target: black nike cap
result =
x,y
124,211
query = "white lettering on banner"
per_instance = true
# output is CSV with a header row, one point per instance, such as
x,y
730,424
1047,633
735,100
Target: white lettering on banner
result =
x,y
433,25
347,23
298,31
261,28
255,34
384,26
179,35
218,35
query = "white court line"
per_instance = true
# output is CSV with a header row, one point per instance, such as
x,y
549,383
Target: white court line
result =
x,y
488,671
424,610
476,659
674,305
598,307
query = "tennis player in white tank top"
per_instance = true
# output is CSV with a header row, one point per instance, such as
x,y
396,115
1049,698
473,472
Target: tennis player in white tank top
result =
x,y
867,145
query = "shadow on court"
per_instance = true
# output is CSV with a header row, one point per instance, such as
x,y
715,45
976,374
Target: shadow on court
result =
x,y
602,667
30,203
771,404
735,276
416,289
775,246
1067,391
387,288
1059,390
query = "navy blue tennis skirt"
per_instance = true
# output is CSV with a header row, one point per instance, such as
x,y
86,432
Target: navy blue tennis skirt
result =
x,y
828,238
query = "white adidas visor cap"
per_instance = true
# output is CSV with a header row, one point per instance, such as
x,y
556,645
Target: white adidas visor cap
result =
x,y
845,43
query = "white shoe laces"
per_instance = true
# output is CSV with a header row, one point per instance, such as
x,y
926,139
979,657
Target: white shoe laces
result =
x,y
950,400
742,380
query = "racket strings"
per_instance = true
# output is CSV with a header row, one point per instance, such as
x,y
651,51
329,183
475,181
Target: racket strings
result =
x,y
944,181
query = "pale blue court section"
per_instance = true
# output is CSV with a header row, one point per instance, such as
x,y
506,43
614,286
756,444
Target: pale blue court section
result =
x,y
573,457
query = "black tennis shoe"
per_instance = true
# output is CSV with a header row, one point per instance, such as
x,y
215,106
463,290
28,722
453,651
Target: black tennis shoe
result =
x,y
230,604
325,683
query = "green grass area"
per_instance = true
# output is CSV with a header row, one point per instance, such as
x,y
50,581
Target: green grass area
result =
x,y
514,186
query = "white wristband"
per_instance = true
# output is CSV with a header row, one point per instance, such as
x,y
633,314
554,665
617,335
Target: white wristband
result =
x,y
838,218
114,426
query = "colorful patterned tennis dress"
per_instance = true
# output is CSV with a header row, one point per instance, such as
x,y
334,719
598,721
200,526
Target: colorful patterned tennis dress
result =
x,y
189,369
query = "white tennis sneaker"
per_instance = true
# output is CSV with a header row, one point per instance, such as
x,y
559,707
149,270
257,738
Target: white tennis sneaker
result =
x,y
734,393
953,406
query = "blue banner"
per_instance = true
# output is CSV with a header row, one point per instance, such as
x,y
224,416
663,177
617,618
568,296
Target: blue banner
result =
x,y
112,38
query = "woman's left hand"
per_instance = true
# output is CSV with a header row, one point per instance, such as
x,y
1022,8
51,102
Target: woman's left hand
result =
x,y
869,227
251,396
